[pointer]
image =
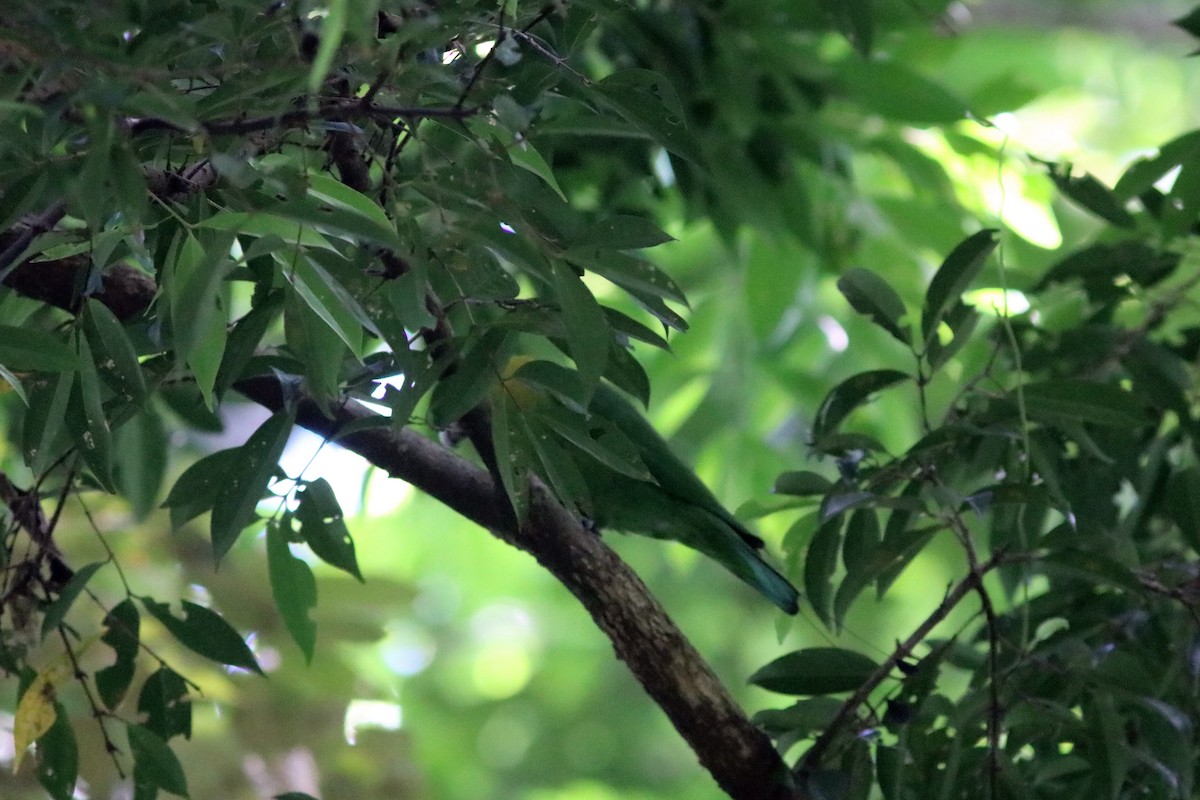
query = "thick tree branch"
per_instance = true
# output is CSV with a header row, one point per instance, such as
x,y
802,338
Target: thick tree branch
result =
x,y
739,756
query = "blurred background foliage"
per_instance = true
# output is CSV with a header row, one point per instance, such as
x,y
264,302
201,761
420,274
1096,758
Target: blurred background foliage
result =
x,y
463,670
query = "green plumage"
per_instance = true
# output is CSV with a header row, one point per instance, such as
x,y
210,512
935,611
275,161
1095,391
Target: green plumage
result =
x,y
676,505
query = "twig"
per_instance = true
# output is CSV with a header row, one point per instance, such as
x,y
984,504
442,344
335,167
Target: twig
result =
x,y
98,713
812,758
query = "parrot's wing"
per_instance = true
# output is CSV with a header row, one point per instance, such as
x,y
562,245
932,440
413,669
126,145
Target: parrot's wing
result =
x,y
642,507
674,476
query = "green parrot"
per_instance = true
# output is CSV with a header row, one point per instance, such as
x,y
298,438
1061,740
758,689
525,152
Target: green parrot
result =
x,y
676,505
667,502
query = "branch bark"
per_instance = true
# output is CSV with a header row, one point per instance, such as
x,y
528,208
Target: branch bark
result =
x,y
739,756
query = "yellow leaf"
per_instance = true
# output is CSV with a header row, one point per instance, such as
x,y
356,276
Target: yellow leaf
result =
x,y
35,713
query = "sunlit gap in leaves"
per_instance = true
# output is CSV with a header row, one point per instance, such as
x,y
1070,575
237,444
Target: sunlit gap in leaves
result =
x,y
997,302
835,335
378,714
359,488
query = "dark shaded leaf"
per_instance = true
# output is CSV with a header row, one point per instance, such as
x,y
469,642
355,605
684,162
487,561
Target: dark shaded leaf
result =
x,y
588,336
1073,400
815,670
154,761
954,276
802,483
622,232
121,633
239,493
165,702
872,296
323,526
62,604
848,395
58,757
294,590
204,631
820,562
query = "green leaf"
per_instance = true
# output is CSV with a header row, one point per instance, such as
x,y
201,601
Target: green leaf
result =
x,y
647,101
121,633
849,395
815,670
858,555
332,29
523,154
633,274
1091,194
140,460
205,632
45,420
804,717
514,456
58,757
622,232
954,276
262,224
155,762
327,298
14,383
588,336
165,702
87,423
57,610
802,483
324,526
820,562
872,296
1072,400
244,339
294,590
23,349
246,484
340,196
320,349
894,91
1183,503
475,375
196,490
193,282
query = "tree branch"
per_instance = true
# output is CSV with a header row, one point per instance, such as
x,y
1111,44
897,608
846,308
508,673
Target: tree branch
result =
x,y
738,755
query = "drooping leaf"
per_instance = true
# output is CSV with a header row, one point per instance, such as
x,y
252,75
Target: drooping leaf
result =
x,y
114,352
848,395
121,633
323,526
872,296
204,631
647,101
802,483
165,701
820,562
294,590
514,455
246,484
87,422
588,335
815,671
58,757
57,610
1074,400
622,232
140,460
25,349
197,489
155,762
